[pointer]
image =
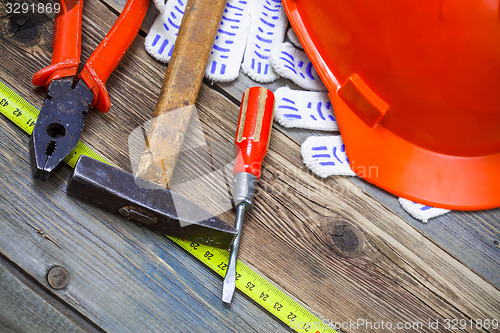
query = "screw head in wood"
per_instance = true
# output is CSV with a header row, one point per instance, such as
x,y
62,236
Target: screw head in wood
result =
x,y
58,277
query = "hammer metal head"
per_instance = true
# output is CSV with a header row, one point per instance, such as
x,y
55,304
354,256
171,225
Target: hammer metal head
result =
x,y
151,206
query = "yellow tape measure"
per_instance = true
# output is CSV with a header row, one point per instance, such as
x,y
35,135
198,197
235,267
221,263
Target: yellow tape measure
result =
x,y
255,286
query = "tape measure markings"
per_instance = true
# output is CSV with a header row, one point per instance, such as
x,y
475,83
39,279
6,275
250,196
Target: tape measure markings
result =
x,y
258,288
248,281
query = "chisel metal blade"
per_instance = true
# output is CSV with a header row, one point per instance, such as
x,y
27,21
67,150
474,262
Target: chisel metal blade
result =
x,y
151,206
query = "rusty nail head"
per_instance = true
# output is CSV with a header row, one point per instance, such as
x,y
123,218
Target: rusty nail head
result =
x,y
58,277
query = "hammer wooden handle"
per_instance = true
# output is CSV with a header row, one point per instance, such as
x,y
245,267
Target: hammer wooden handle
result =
x,y
189,58
180,89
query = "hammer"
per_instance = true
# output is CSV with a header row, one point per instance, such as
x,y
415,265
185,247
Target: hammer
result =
x,y
154,205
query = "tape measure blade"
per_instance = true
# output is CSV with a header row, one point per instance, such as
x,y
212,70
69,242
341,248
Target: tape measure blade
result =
x,y
17,109
24,115
260,290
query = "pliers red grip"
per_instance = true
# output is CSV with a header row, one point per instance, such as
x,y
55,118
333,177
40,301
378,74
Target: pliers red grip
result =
x,y
62,116
66,46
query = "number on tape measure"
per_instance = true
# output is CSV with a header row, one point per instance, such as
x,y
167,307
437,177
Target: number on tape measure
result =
x,y
17,109
282,306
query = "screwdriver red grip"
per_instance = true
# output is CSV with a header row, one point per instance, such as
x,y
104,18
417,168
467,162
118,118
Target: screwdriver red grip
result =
x,y
254,130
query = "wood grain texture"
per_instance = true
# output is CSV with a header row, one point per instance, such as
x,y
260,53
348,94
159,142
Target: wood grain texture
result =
x,y
471,237
330,244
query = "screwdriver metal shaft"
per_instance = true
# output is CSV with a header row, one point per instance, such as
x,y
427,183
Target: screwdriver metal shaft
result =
x,y
230,278
251,143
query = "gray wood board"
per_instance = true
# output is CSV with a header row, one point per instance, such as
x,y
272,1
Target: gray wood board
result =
x,y
471,237
122,277
26,307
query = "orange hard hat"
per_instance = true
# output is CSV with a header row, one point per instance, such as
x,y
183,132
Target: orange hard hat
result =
x,y
416,90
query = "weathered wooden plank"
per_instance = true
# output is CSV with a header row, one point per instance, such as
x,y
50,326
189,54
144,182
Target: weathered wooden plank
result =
x,y
25,307
326,242
118,5
471,237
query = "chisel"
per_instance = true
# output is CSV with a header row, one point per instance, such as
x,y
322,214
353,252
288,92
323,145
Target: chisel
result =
x,y
252,143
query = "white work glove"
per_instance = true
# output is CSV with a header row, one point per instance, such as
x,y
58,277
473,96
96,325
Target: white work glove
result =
x,y
247,34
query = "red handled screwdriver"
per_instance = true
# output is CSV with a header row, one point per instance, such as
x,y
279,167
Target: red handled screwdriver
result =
x,y
251,143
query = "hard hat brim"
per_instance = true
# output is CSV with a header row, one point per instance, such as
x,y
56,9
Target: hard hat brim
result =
x,y
401,167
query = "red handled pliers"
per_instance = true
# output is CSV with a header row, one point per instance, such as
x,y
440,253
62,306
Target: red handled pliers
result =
x,y
61,119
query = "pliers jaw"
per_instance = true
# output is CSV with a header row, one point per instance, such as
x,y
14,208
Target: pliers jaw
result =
x,y
61,119
59,125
